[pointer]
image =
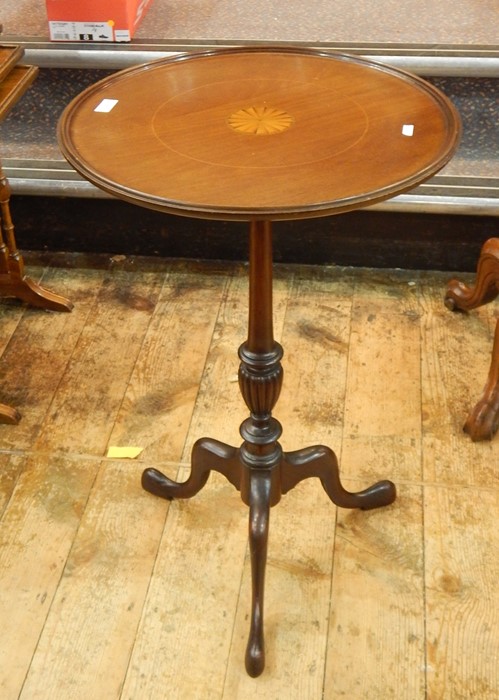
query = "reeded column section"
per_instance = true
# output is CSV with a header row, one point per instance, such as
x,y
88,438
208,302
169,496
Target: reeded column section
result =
x,y
260,371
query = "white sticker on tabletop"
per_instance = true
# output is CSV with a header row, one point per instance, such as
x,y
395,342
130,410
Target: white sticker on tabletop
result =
x,y
106,105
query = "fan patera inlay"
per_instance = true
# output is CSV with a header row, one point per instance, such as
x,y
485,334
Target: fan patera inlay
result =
x,y
260,121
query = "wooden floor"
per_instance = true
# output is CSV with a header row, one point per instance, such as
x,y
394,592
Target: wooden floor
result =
x,y
108,592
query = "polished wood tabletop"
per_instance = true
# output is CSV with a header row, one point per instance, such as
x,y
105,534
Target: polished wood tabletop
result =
x,y
259,133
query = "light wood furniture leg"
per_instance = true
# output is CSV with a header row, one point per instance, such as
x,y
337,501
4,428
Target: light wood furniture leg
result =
x,y
14,81
13,280
15,283
9,415
483,421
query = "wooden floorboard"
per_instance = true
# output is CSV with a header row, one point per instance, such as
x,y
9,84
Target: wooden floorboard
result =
x,y
109,592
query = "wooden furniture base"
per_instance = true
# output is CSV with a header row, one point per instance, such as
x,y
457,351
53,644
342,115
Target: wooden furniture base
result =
x,y
483,421
14,81
15,283
9,415
259,468
13,280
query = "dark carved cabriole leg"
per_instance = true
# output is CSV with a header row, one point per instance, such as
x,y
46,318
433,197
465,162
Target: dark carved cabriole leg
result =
x,y
461,297
258,468
483,421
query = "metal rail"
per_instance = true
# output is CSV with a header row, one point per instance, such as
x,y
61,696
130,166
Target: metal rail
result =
x,y
442,195
423,59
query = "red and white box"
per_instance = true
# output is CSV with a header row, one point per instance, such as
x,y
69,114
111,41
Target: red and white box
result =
x,y
94,20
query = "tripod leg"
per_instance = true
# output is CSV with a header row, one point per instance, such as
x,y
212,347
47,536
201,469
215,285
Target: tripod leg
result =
x,y
207,455
260,488
321,462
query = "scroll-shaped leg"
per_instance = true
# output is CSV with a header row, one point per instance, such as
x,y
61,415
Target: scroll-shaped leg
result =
x,y
483,421
26,289
320,461
260,488
207,455
461,297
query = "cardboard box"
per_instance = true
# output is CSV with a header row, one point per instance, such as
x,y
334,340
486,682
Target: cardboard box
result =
x,y
94,20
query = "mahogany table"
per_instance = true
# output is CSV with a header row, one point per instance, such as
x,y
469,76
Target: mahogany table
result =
x,y
257,135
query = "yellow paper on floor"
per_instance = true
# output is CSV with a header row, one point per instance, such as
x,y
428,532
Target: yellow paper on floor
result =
x,y
115,452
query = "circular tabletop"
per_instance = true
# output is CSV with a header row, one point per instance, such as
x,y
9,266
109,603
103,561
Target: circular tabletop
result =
x,y
259,133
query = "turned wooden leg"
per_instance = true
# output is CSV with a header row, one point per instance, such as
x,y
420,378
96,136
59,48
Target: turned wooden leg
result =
x,y
483,421
13,280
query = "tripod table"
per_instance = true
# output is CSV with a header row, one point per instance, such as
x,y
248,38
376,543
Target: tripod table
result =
x,y
260,134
